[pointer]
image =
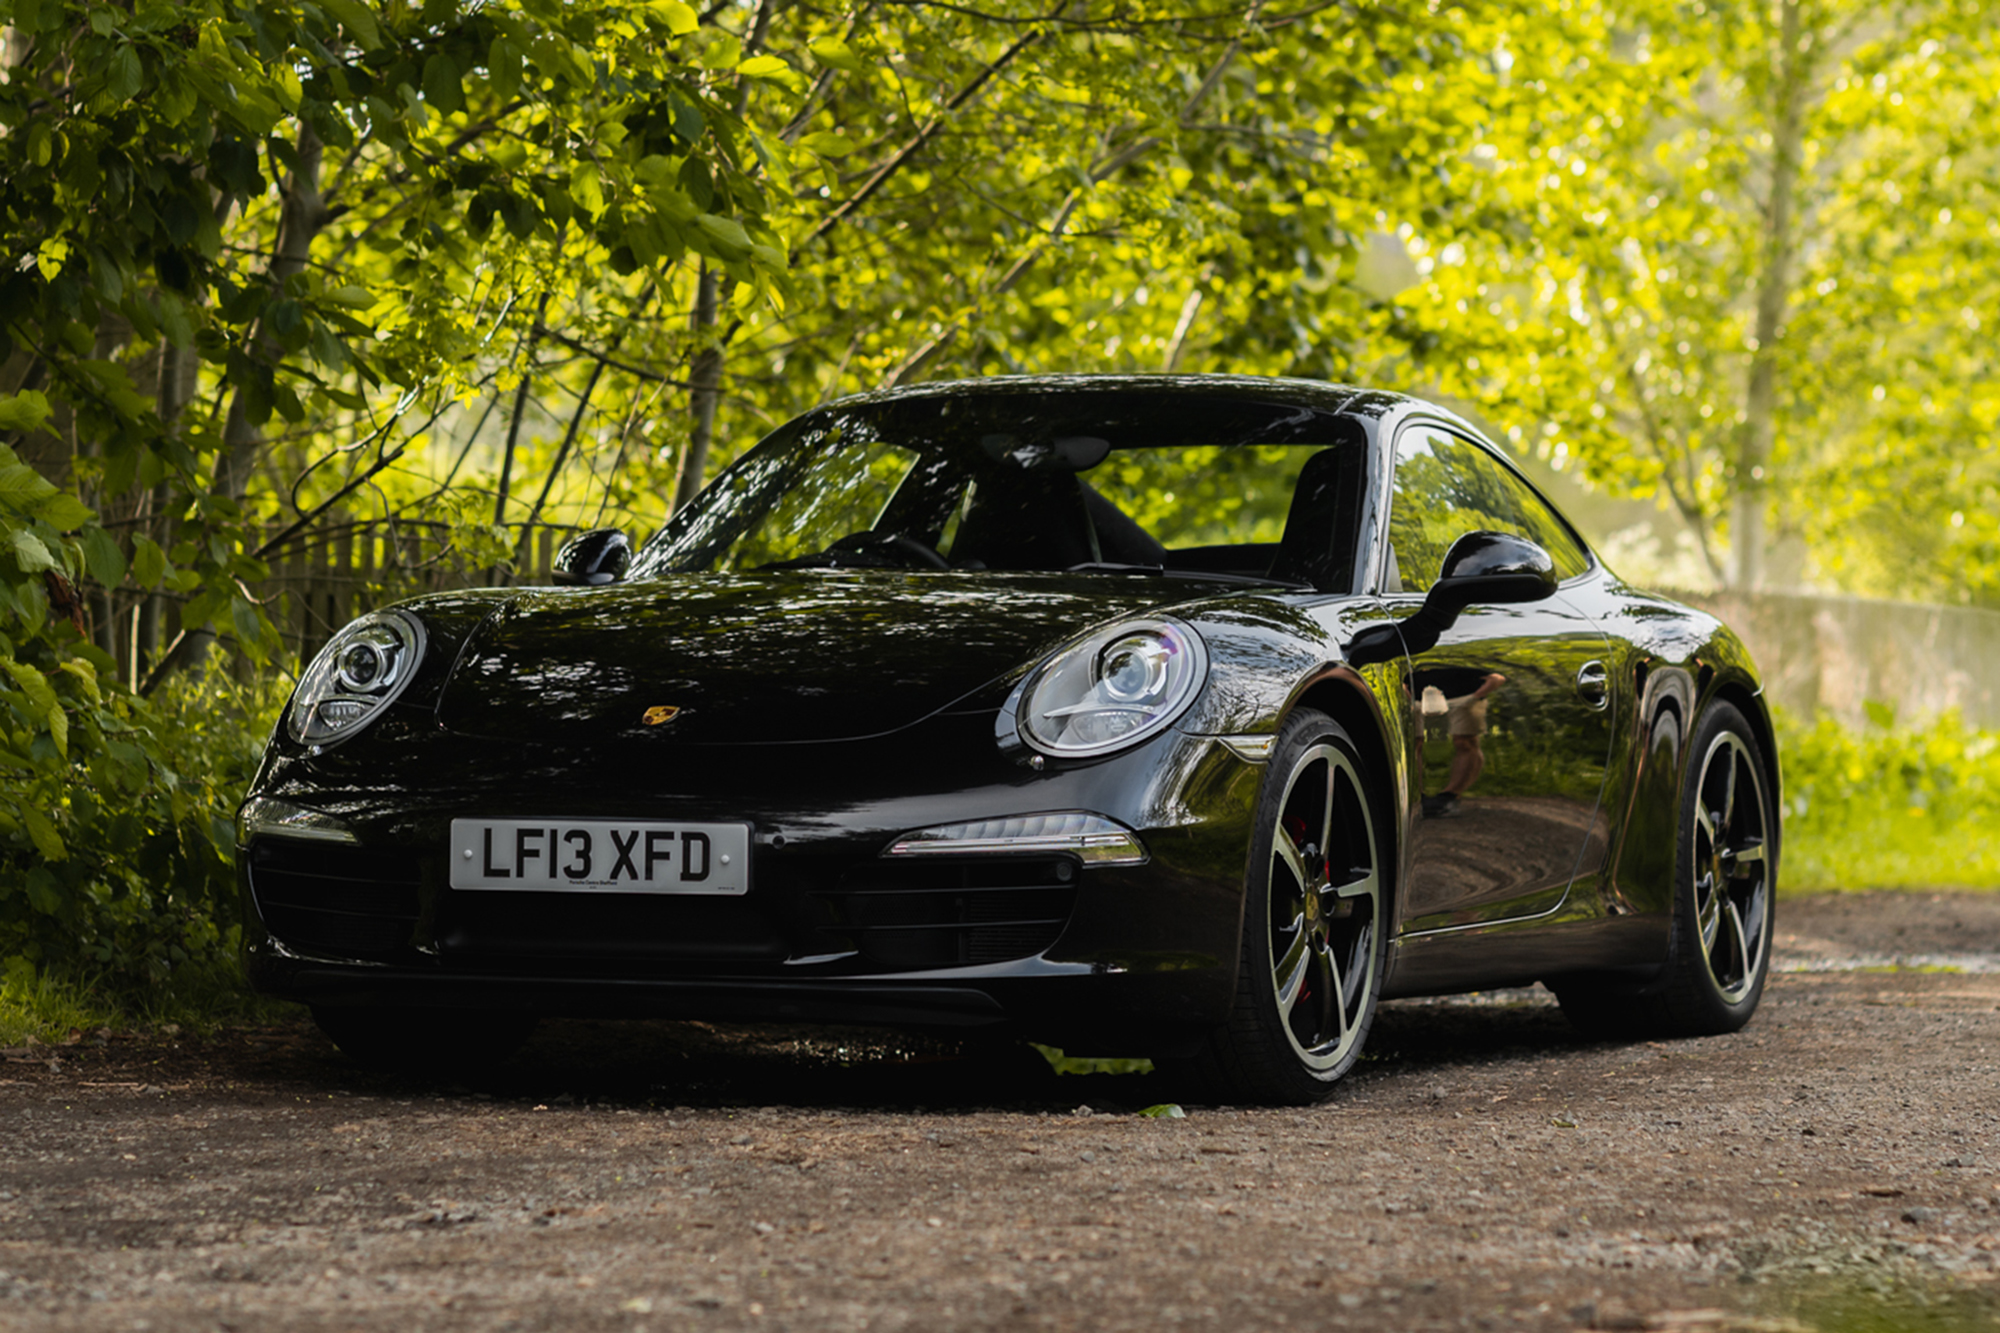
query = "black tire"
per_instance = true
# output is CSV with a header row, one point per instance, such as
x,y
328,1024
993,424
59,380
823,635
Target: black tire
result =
x,y
1725,889
424,1041
1315,920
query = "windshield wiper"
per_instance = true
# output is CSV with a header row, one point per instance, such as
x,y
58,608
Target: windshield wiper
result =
x,y
1198,575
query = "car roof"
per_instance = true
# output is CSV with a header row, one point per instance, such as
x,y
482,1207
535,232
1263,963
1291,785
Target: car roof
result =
x,y
1370,405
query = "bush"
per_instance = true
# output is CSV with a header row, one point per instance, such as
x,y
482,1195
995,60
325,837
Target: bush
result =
x,y
1890,806
119,871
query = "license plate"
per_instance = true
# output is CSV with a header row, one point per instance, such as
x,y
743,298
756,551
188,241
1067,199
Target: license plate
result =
x,y
599,856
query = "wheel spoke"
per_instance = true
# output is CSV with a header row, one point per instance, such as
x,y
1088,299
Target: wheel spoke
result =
x,y
1728,814
1290,972
1365,887
1703,820
1328,998
1326,813
1707,894
1339,991
1751,850
1737,938
1288,852
1753,928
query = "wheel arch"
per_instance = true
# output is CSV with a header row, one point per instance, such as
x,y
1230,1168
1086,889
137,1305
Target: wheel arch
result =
x,y
1344,696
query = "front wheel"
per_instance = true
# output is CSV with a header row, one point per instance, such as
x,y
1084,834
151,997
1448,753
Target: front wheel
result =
x,y
1314,925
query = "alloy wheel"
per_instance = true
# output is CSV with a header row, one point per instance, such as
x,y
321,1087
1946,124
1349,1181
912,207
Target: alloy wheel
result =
x,y
1325,907
1732,887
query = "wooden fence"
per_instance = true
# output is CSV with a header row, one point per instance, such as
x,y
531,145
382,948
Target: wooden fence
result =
x,y
346,569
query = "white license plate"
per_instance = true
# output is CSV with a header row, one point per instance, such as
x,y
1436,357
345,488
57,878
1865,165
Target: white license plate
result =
x,y
599,856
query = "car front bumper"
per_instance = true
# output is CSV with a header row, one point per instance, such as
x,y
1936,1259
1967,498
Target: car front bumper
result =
x,y
831,930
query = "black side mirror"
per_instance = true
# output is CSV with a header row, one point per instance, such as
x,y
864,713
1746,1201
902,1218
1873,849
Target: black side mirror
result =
x,y
1479,567
1490,567
601,555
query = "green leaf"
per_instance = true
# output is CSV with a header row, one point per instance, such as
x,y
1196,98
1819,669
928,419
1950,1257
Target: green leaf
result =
x,y
47,841
835,54
586,188
763,67
41,694
442,88
102,557
64,512
149,562
356,18
50,256
29,552
249,624
503,67
123,76
86,679
24,412
726,234
353,298
681,20
827,144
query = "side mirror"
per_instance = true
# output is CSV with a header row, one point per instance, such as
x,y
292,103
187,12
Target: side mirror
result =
x,y
1490,567
1479,567
601,555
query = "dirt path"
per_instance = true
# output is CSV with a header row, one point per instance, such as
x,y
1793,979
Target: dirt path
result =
x,y
1837,1163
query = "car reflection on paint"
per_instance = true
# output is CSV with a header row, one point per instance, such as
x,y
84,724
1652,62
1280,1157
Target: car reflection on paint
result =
x,y
1181,716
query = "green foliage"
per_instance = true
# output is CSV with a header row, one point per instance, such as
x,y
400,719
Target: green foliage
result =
x,y
119,863
1913,806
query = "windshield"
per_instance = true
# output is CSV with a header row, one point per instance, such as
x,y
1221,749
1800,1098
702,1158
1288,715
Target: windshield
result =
x,y
1128,482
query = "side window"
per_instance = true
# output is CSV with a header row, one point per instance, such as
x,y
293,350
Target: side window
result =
x,y
1446,487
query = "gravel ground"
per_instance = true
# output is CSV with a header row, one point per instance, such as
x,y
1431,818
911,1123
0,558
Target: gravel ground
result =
x,y
1834,1167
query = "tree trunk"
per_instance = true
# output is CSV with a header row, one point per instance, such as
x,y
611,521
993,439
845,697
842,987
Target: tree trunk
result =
x,y
304,215
1760,403
706,378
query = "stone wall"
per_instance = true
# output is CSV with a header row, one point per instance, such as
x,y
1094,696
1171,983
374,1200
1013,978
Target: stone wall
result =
x,y
1838,653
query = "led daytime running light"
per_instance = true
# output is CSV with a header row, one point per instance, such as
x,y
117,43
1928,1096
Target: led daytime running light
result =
x,y
1093,838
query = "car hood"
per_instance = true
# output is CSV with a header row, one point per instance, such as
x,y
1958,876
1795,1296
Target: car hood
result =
x,y
792,657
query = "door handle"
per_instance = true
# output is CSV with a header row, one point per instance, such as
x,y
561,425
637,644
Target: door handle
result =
x,y
1593,682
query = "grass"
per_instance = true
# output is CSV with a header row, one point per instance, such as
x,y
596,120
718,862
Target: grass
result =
x,y
1890,806
48,1006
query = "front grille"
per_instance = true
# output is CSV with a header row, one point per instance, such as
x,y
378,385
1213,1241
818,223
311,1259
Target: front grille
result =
x,y
345,902
946,912
538,931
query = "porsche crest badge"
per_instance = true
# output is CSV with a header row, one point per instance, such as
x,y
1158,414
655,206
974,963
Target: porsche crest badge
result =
x,y
660,713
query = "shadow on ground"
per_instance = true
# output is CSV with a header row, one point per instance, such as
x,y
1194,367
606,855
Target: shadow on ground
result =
x,y
657,1063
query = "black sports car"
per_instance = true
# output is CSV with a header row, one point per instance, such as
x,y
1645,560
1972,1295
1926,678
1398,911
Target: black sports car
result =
x,y
1174,716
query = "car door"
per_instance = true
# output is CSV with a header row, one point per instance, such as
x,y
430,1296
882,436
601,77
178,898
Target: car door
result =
x,y
1512,700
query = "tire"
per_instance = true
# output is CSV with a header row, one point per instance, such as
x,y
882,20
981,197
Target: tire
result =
x,y
1725,889
1315,921
424,1041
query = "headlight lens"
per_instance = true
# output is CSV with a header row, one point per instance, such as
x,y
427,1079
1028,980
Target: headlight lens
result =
x,y
360,671
1112,689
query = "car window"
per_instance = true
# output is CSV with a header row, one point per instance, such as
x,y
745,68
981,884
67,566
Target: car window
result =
x,y
1036,484
834,492
1446,487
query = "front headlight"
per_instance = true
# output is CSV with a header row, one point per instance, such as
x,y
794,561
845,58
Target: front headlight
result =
x,y
1111,689
359,673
